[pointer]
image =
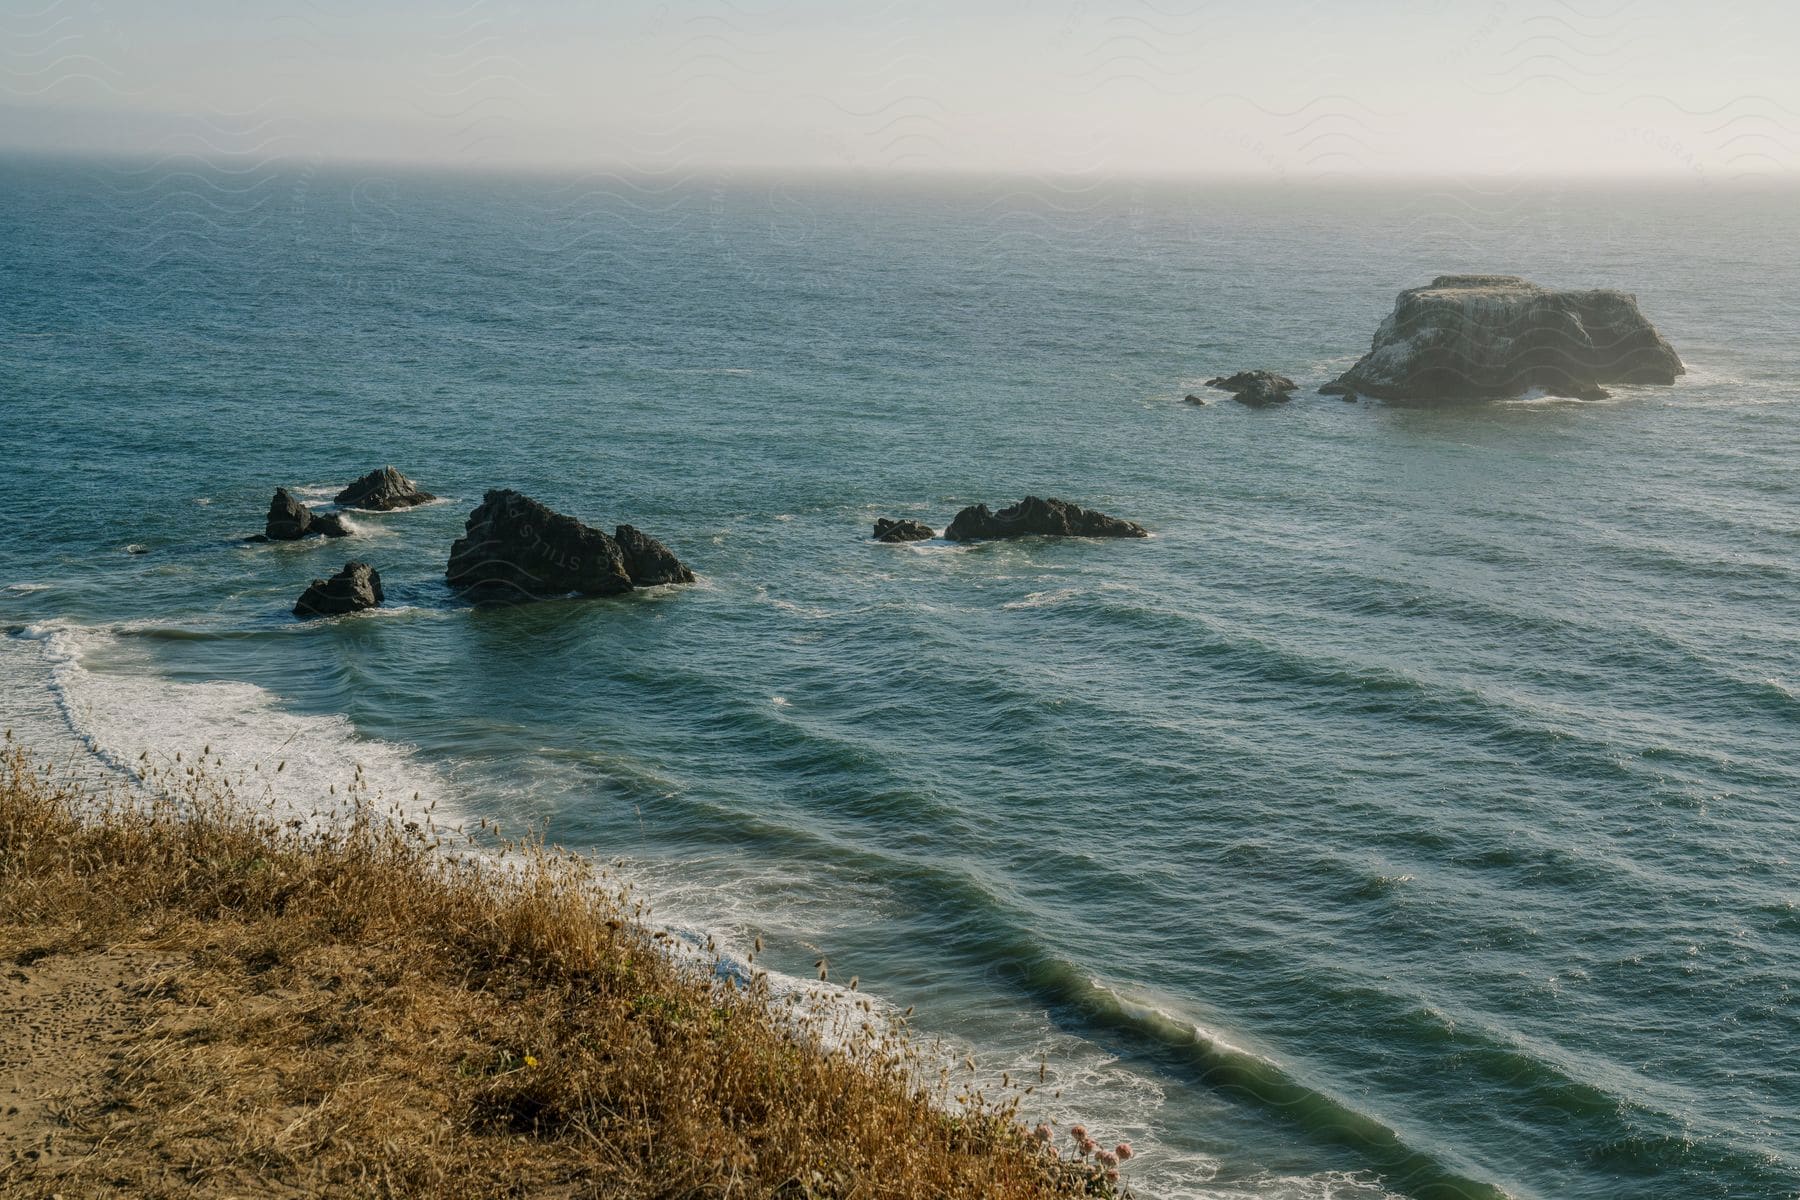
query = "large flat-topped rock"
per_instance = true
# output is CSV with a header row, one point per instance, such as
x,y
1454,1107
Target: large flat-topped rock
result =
x,y
1459,283
1495,336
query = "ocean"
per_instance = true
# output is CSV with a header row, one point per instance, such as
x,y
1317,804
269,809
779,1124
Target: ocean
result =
x,y
1414,814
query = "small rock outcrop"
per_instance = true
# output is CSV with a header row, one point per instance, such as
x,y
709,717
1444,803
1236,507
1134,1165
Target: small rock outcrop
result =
x,y
1193,399
289,521
1035,517
1258,389
904,530
1497,336
514,548
647,560
383,491
356,587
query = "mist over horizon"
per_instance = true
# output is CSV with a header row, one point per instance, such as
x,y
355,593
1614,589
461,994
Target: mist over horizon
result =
x,y
1291,92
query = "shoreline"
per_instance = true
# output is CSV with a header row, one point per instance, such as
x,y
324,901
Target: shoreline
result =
x,y
213,999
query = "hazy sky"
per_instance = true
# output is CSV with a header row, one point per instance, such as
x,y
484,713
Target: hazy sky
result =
x,y
1281,89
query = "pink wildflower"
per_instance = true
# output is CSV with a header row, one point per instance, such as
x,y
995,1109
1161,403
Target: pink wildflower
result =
x,y
1078,1132
1107,1158
1042,1133
1124,1151
1112,1176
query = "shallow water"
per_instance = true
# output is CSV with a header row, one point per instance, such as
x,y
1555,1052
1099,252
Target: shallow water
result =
x,y
1413,813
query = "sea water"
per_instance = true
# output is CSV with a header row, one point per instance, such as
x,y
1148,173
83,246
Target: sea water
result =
x,y
1414,813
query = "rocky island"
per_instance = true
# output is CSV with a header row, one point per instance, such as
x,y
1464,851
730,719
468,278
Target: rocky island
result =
x,y
903,530
384,491
514,548
1498,336
1253,389
1037,517
356,587
289,520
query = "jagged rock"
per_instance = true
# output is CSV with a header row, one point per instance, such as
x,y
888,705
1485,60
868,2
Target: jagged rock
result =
x,y
1032,516
1193,399
1256,388
514,548
647,560
1495,336
904,530
356,587
382,491
289,521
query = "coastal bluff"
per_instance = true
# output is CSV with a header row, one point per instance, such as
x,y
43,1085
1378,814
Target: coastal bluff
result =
x,y
1499,336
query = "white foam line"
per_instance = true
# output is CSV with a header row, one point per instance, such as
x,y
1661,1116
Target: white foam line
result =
x,y
292,760
120,717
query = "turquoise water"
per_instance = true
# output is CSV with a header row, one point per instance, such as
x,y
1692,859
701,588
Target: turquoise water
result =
x,y
1413,814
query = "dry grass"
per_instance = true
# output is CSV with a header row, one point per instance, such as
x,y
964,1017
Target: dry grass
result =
x,y
349,1008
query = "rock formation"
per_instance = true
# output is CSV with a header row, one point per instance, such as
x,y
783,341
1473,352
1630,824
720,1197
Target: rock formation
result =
x,y
1494,336
514,548
356,587
1193,399
1032,516
1258,389
382,491
289,521
647,560
904,530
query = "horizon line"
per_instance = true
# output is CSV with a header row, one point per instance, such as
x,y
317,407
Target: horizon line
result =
x,y
713,171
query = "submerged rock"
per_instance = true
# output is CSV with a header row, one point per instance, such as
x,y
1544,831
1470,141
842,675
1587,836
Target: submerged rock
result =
x,y
1257,389
382,491
1495,336
1034,517
904,530
1193,399
647,560
514,548
356,587
289,521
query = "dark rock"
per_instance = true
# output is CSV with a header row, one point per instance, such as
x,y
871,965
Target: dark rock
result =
x,y
904,530
647,560
1261,395
1193,399
514,548
1350,397
288,520
356,587
1245,379
1032,516
382,491
1257,389
1496,336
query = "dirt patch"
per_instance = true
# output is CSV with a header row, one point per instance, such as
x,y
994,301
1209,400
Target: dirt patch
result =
x,y
66,1020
